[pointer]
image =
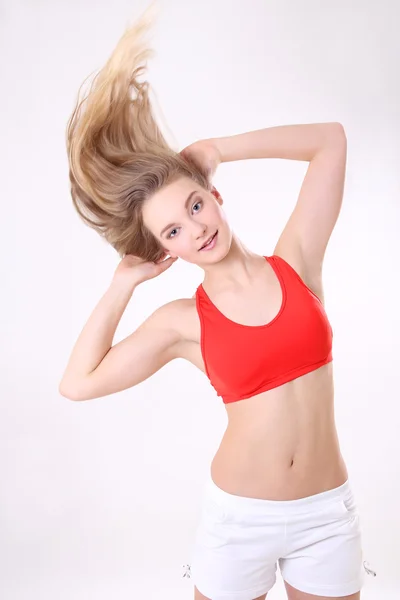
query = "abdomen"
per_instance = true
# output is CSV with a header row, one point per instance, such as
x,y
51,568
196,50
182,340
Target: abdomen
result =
x,y
282,444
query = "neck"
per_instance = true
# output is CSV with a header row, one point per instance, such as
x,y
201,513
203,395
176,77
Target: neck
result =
x,y
239,267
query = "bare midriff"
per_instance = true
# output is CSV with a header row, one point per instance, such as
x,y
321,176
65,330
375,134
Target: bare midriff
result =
x,y
282,444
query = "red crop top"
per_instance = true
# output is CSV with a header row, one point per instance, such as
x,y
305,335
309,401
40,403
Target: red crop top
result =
x,y
244,360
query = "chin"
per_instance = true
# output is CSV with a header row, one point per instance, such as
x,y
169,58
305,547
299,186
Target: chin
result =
x,y
215,255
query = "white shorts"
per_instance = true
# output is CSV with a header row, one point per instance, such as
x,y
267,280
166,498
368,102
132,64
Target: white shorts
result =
x,y
315,540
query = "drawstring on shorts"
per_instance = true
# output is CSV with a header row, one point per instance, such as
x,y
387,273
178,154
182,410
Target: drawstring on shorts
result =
x,y
368,569
187,572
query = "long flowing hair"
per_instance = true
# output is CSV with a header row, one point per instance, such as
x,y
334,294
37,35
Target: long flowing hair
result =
x,y
118,156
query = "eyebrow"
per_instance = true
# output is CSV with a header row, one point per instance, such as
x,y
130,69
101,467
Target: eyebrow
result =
x,y
186,205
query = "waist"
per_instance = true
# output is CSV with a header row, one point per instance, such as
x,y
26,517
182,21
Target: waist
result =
x,y
281,445
279,478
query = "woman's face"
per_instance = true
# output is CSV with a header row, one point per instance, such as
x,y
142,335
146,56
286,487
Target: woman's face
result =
x,y
183,217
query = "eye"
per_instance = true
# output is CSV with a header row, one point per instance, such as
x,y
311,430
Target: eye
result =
x,y
169,236
199,203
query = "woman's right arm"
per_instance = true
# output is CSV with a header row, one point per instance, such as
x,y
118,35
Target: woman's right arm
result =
x,y
96,368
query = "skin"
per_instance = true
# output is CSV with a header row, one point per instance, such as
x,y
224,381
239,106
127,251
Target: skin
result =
x,y
287,436
281,444
191,226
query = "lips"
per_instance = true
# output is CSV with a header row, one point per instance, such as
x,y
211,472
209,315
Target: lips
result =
x,y
209,240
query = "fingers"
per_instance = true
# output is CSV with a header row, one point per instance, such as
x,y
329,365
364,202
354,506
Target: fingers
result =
x,y
165,264
162,258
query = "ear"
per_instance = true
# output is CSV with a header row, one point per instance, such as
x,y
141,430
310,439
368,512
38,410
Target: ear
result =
x,y
217,195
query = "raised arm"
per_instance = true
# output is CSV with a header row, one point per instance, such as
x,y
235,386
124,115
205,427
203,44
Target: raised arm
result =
x,y
96,368
307,232
324,145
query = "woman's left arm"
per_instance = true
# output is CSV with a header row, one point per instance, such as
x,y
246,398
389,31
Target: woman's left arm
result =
x,y
324,145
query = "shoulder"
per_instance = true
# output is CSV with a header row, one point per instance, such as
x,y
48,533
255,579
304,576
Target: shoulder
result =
x,y
177,307
176,315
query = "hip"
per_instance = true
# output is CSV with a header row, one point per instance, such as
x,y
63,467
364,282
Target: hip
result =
x,y
316,540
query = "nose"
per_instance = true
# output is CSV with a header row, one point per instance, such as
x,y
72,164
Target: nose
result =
x,y
199,230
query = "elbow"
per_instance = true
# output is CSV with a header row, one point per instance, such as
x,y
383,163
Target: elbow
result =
x,y
334,137
337,129
70,392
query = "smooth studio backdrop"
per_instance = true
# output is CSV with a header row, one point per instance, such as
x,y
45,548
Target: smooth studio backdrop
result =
x,y
101,499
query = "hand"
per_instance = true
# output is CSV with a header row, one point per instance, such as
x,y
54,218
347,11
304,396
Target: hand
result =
x,y
205,154
134,270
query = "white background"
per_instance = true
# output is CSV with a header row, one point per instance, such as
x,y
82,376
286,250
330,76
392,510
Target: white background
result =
x,y
101,499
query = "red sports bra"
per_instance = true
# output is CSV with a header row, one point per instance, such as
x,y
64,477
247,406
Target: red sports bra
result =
x,y
244,360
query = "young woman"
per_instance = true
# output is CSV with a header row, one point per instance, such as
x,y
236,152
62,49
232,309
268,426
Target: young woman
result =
x,y
278,490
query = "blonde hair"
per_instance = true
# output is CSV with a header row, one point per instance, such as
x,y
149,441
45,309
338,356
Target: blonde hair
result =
x,y
117,155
